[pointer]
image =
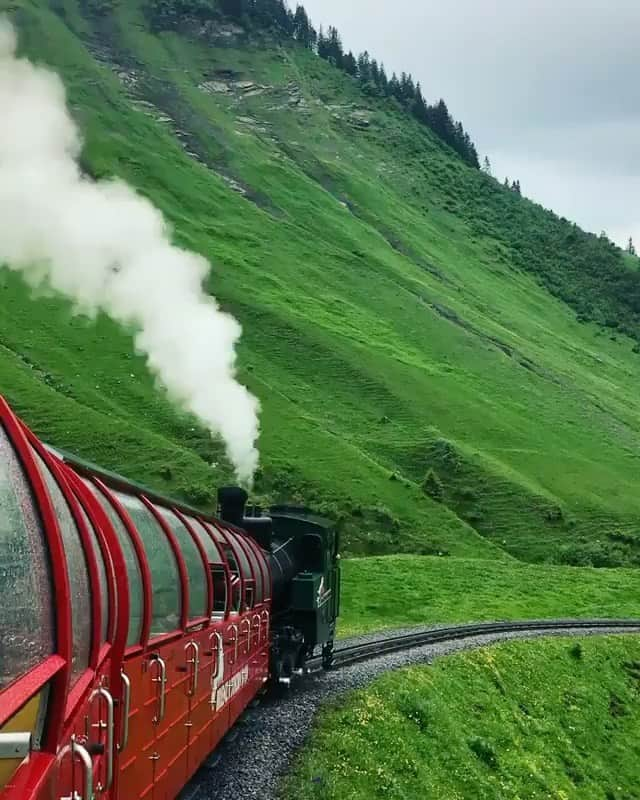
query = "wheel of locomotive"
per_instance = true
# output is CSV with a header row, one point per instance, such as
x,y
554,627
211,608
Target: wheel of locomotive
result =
x,y
327,655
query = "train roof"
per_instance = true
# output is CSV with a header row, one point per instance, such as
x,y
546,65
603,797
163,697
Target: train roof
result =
x,y
120,483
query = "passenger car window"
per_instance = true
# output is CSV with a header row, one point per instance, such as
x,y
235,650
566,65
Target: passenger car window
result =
x,y
198,595
218,573
78,571
167,595
253,558
26,611
244,565
134,575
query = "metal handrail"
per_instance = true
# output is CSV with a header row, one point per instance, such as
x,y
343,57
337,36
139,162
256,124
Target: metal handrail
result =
x,y
247,622
265,618
78,750
219,648
105,694
195,662
162,680
258,627
126,708
234,627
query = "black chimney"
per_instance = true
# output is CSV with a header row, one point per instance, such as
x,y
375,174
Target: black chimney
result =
x,y
232,501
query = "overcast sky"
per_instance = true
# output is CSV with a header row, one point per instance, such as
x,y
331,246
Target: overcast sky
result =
x,y
548,89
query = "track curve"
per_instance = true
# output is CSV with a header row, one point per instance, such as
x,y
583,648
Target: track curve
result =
x,y
251,762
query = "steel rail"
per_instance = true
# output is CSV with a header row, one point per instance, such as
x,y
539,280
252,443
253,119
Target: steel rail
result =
x,y
350,654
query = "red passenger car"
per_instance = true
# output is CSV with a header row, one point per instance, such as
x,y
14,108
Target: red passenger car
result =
x,y
133,632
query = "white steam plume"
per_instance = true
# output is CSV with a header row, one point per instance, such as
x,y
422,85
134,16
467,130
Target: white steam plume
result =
x,y
107,248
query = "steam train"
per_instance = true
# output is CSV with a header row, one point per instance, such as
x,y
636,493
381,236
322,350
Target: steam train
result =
x,y
134,630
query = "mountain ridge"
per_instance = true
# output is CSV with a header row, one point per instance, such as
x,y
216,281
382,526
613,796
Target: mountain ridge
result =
x,y
392,298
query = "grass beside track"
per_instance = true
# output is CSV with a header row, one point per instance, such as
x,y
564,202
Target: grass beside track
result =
x,y
396,591
552,719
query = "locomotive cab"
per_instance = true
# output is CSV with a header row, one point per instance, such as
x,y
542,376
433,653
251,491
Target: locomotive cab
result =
x,y
303,552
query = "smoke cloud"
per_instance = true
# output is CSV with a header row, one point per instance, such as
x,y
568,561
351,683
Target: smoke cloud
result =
x,y
109,249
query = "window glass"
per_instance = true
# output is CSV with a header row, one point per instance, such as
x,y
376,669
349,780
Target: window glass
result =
x,y
243,562
102,576
213,555
167,600
78,569
134,575
256,571
218,573
193,560
26,611
233,568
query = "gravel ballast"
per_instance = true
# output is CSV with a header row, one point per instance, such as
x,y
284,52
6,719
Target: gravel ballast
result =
x,y
252,760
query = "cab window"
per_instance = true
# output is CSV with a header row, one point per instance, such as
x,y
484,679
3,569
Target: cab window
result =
x,y
26,611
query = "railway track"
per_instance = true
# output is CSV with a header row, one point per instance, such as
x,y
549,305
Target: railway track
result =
x,y
351,654
274,731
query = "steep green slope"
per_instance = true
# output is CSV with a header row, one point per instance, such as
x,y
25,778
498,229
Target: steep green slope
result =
x,y
395,305
554,718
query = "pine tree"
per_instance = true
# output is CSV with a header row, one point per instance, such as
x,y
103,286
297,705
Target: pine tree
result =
x,y
336,54
631,248
364,67
302,27
486,166
323,45
375,72
394,87
350,64
384,81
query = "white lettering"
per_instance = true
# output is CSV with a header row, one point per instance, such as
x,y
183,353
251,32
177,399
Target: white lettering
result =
x,y
222,695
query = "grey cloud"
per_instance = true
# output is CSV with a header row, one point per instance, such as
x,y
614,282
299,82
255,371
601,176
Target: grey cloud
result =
x,y
546,88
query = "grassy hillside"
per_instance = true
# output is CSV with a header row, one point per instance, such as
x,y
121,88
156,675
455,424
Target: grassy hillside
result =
x,y
401,312
400,591
554,719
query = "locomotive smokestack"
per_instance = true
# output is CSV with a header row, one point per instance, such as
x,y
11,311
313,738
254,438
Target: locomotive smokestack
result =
x,y
232,501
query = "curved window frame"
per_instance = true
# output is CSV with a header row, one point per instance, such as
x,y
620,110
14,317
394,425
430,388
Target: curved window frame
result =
x,y
150,639
145,572
265,570
225,540
182,569
245,563
59,474
205,565
209,528
117,578
55,669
